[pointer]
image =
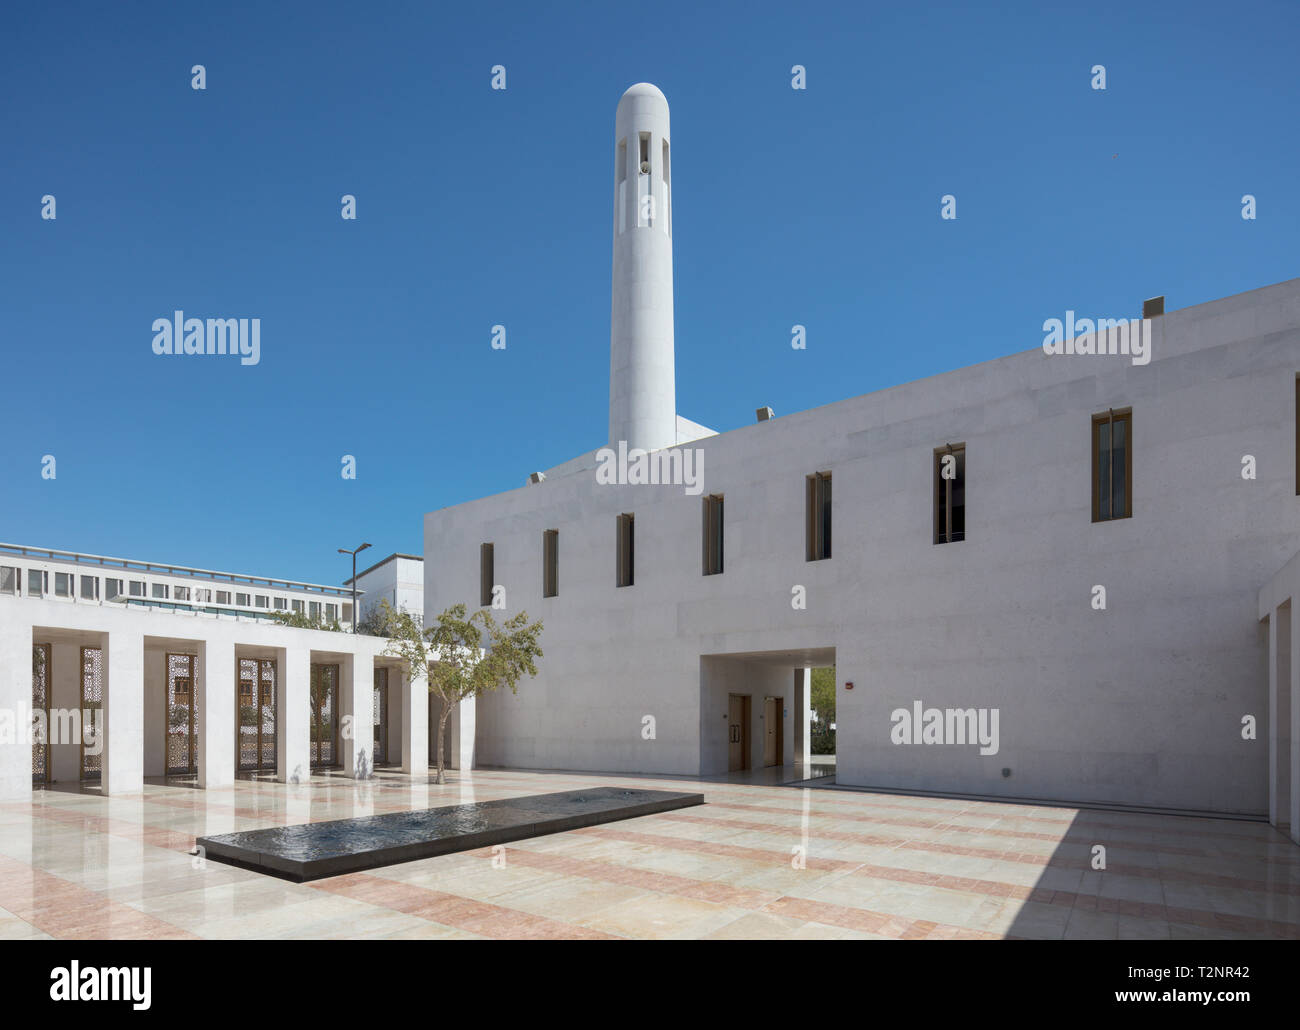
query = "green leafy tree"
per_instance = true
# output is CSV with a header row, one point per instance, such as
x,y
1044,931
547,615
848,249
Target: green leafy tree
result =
x,y
299,620
823,703
462,656
374,622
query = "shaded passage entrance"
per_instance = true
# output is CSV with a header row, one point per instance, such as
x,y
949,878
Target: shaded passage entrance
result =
x,y
182,715
256,703
756,715
324,700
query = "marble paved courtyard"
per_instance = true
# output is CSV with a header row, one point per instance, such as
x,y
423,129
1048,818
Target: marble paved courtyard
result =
x,y
753,862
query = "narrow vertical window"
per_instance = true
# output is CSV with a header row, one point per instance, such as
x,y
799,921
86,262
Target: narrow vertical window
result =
x,y
625,551
486,574
950,493
645,153
818,522
1112,465
1297,435
550,563
713,535
620,187
666,172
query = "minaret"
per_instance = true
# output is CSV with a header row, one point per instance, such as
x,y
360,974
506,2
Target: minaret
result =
x,y
642,386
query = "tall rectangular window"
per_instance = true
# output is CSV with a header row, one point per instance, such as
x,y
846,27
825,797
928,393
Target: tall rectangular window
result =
x,y
1112,465
36,582
8,579
950,493
90,588
112,588
1297,435
486,574
160,590
712,535
550,563
626,550
63,584
818,522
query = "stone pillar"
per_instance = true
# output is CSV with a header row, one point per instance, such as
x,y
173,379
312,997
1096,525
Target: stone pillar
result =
x,y
1274,757
15,703
1280,644
123,758
292,714
803,716
216,714
415,724
461,728
1293,742
65,686
356,707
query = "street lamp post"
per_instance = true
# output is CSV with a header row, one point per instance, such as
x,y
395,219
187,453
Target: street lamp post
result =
x,y
344,550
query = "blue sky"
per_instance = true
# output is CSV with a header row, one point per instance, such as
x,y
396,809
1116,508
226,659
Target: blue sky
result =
x,y
477,207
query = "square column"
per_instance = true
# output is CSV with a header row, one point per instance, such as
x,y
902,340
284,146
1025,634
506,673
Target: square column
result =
x,y
15,698
1276,666
216,715
123,760
357,707
802,716
1293,691
461,729
293,715
415,725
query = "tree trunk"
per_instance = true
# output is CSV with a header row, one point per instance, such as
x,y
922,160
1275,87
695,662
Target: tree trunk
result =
x,y
442,736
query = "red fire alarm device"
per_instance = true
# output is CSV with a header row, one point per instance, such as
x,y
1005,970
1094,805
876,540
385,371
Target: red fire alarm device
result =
x,y
848,684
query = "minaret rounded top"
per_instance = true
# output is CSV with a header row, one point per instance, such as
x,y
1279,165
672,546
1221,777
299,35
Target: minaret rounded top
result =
x,y
645,89
641,109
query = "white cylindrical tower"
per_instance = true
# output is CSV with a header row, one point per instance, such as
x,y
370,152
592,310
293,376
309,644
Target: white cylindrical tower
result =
x,y
642,384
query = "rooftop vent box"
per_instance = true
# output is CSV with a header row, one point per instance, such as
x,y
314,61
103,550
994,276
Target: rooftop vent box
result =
x,y
765,413
1153,307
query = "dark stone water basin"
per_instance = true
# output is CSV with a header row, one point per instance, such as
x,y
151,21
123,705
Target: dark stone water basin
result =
x,y
311,851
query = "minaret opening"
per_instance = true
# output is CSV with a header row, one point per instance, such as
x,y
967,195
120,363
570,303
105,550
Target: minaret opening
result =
x,y
645,153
